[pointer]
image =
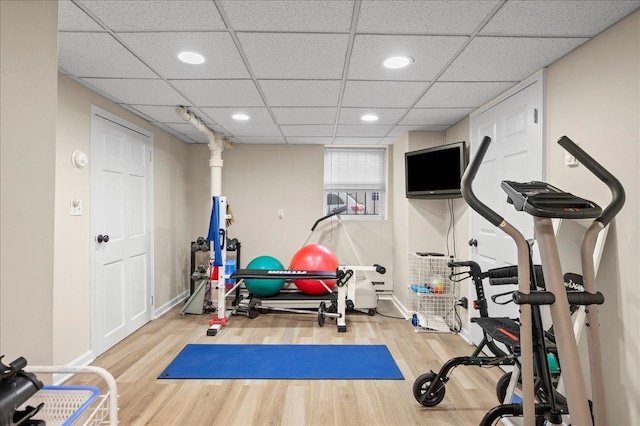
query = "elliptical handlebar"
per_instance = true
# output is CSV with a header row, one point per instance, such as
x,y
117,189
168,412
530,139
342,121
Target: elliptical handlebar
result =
x,y
467,191
617,191
334,212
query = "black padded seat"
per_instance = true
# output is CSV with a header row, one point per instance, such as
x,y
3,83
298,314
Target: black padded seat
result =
x,y
503,330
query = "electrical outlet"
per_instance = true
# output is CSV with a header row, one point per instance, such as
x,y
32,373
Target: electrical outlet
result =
x,y
280,214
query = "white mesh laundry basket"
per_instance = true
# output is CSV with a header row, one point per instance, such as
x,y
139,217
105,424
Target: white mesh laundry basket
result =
x,y
76,405
66,405
432,294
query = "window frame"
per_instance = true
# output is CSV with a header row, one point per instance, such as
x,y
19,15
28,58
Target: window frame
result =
x,y
384,190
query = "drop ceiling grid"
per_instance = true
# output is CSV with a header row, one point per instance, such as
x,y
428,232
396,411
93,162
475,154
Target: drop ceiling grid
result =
x,y
160,51
136,15
295,54
100,56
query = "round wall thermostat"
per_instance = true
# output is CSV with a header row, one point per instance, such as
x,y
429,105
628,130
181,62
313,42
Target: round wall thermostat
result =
x,y
79,159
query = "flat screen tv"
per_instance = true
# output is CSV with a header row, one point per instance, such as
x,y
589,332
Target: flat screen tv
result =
x,y
435,173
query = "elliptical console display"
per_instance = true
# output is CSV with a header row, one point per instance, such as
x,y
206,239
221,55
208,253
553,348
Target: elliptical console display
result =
x,y
543,200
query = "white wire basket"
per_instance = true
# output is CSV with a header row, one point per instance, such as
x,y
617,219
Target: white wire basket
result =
x,y
432,294
75,405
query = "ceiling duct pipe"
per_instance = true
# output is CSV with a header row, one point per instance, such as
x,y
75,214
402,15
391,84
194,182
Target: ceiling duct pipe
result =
x,y
216,145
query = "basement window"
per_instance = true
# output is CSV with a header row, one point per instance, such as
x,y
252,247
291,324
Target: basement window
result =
x,y
355,178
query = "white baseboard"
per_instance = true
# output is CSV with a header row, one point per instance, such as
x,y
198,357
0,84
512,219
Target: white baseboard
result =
x,y
170,304
82,361
464,333
403,310
87,358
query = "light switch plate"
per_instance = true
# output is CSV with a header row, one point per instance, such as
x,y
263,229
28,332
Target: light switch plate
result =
x,y
76,207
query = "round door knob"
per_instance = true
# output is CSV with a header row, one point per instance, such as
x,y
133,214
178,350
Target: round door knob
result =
x,y
102,238
473,242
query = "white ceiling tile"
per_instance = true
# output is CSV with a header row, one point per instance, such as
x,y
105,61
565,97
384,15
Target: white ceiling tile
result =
x,y
462,94
381,94
287,55
305,115
202,116
580,18
385,115
422,17
507,58
283,93
296,52
143,15
250,129
430,55
388,141
184,128
435,116
141,92
98,55
364,130
311,130
310,140
220,93
72,18
302,16
223,116
400,130
356,141
199,137
175,133
261,140
189,130
137,112
165,114
218,129
160,51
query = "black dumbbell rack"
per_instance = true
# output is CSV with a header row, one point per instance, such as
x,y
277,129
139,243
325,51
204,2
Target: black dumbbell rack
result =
x,y
230,248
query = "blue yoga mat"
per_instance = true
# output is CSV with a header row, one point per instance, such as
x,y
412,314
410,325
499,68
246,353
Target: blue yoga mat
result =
x,y
316,362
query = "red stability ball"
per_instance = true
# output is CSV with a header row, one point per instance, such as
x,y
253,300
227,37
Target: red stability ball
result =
x,y
314,257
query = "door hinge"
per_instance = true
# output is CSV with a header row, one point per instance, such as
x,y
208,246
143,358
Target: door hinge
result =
x,y
535,116
150,155
151,300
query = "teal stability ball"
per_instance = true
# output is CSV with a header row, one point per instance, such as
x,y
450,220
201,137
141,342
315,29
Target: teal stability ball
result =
x,y
264,287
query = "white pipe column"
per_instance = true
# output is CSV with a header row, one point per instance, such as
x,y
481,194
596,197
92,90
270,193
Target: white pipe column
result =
x,y
216,146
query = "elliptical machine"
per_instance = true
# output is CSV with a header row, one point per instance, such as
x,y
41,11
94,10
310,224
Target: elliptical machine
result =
x,y
545,202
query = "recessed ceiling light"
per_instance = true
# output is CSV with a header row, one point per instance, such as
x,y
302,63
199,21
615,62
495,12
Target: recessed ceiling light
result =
x,y
192,58
397,62
240,117
369,117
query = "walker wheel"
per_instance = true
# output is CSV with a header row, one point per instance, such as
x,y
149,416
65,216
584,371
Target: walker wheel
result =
x,y
421,386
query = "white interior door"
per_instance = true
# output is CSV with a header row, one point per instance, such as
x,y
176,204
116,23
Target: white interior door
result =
x,y
516,153
122,296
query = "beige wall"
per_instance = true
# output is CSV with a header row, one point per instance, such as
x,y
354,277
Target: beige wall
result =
x,y
593,96
456,133
418,225
259,180
73,239
28,69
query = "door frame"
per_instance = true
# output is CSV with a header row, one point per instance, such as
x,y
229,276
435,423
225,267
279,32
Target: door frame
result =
x,y
98,113
538,77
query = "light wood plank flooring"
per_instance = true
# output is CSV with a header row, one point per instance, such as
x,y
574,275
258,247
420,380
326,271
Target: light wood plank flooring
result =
x,y
137,361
